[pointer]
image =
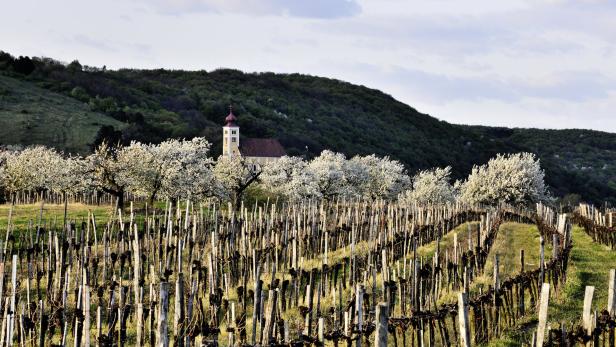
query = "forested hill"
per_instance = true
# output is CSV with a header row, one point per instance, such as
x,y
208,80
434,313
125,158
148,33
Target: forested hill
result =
x,y
74,107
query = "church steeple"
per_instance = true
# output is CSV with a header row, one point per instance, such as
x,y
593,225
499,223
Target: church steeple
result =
x,y
230,119
230,135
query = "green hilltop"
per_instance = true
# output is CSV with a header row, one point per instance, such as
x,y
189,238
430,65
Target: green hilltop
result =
x,y
74,107
33,115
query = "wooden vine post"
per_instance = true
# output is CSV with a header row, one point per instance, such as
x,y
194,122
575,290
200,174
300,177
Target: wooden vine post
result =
x,y
611,304
611,294
162,336
587,316
382,316
465,330
543,313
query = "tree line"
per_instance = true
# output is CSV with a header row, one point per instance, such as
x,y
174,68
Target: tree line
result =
x,y
185,170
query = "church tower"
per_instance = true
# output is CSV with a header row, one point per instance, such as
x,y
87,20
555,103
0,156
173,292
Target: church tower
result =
x,y
230,136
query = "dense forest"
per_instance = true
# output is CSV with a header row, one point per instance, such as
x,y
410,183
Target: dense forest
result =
x,y
75,107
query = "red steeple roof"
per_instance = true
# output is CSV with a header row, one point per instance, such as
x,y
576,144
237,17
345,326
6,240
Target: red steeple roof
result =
x,y
230,119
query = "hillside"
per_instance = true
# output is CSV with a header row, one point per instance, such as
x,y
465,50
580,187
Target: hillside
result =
x,y
306,113
32,115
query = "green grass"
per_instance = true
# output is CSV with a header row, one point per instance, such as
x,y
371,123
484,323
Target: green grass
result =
x,y
32,115
513,237
53,214
589,265
447,241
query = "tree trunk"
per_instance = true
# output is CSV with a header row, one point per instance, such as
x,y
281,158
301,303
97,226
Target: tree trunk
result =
x,y
236,200
120,197
65,207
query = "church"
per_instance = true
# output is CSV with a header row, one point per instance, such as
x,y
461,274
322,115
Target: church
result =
x,y
257,151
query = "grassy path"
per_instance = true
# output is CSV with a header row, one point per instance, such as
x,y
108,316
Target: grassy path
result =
x,y
589,265
511,238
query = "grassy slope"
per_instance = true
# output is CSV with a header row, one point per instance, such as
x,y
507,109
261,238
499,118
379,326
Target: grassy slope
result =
x,y
33,115
512,238
589,265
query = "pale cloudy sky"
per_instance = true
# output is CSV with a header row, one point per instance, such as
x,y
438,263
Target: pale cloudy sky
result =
x,y
525,63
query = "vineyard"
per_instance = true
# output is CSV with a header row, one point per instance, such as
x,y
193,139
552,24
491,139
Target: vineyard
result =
x,y
160,244
296,274
308,173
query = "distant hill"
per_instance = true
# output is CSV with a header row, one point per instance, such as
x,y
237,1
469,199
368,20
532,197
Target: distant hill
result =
x,y
33,115
73,107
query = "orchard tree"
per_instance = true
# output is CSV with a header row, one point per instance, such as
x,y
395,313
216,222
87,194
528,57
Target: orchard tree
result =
x,y
289,176
174,169
234,175
30,169
142,174
430,187
276,176
186,169
512,178
328,172
66,177
107,170
376,178
355,178
5,154
303,186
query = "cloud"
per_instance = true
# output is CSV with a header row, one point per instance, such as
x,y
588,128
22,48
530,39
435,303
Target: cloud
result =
x,y
572,86
524,30
547,63
90,42
530,112
322,9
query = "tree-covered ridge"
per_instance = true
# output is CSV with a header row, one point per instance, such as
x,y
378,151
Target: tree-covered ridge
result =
x,y
309,114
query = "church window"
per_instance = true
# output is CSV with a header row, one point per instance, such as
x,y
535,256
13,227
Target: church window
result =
x,y
233,132
233,139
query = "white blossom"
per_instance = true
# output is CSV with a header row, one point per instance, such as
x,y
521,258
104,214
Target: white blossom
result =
x,y
328,173
67,174
289,176
188,169
430,187
107,170
516,178
376,178
331,175
234,175
28,169
174,169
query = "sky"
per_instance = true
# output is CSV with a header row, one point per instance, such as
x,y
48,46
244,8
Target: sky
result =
x,y
517,63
